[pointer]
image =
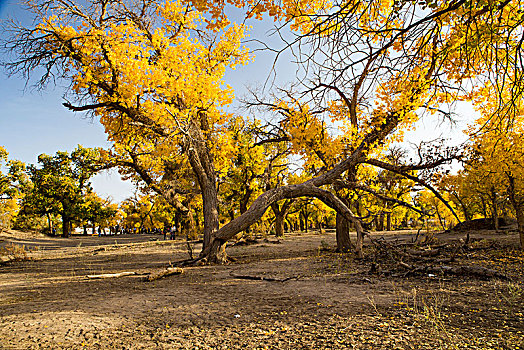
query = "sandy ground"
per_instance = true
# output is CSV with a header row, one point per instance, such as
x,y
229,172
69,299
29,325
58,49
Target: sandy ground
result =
x,y
314,298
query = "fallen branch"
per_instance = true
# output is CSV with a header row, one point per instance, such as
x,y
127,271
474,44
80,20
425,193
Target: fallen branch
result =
x,y
262,278
111,275
153,276
423,253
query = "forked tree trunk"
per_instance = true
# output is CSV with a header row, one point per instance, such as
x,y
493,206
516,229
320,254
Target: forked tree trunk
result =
x,y
280,213
215,252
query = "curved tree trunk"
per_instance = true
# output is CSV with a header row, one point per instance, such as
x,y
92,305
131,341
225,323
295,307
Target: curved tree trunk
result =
x,y
215,251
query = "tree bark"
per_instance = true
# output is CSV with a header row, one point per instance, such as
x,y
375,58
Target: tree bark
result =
x,y
66,224
344,244
380,222
202,164
50,224
518,205
280,213
215,252
495,213
279,225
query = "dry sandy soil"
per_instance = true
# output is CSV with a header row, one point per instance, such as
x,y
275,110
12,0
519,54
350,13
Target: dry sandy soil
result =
x,y
312,297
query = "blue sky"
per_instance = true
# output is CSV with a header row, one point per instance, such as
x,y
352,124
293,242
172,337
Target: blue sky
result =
x,y
34,122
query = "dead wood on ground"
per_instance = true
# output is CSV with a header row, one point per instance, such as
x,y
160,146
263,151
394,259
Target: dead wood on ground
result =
x,y
428,261
111,275
263,278
155,275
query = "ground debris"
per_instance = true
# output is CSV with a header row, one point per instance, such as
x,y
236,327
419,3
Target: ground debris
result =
x,y
155,275
111,275
262,278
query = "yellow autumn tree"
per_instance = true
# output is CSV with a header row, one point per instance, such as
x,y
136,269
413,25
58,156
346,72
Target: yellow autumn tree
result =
x,y
497,148
151,72
10,188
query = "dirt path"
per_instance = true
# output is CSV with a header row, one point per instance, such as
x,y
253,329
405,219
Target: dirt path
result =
x,y
327,300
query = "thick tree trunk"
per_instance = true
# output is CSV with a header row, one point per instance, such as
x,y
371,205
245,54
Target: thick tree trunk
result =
x,y
306,222
342,233
380,222
216,253
210,204
66,225
388,221
280,213
50,224
279,225
202,164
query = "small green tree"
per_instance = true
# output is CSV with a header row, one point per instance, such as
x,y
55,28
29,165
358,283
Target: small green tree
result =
x,y
60,184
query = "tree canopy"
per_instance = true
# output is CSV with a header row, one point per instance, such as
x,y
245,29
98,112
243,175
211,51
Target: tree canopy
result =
x,y
153,73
